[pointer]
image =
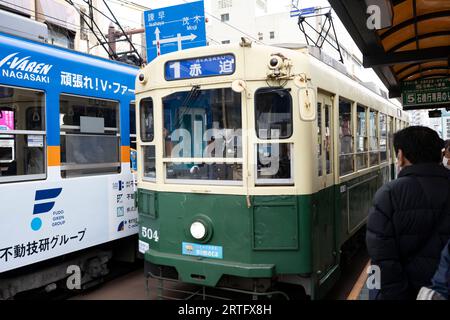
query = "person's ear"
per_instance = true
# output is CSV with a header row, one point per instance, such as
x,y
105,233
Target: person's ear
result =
x,y
401,158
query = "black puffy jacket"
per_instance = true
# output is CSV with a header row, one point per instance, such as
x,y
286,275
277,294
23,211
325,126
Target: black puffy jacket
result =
x,y
407,228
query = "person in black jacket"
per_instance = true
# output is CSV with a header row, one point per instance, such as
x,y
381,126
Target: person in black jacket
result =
x,y
409,222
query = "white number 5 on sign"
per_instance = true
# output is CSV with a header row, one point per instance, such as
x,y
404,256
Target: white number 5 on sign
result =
x,y
150,234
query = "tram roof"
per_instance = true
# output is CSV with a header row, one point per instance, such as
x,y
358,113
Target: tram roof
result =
x,y
65,55
415,44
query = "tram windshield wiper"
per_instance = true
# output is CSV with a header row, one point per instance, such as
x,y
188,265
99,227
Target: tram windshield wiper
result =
x,y
191,97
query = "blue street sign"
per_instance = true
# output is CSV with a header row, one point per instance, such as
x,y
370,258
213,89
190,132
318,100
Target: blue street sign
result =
x,y
220,65
303,12
174,28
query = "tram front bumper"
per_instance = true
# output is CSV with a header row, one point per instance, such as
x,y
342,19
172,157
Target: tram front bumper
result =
x,y
204,271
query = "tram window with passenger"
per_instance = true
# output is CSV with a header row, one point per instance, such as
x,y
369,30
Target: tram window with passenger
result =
x,y
90,136
22,138
346,156
373,137
361,136
383,137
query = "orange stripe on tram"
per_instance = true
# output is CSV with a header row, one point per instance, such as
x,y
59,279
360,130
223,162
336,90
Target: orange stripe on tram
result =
x,y
125,153
54,156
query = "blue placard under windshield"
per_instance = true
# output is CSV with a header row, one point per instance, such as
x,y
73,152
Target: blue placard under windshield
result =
x,y
211,66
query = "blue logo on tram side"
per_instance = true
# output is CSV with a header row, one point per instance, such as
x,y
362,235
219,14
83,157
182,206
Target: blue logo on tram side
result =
x,y
43,207
24,68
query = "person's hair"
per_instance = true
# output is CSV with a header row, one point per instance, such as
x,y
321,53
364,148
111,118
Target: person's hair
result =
x,y
419,144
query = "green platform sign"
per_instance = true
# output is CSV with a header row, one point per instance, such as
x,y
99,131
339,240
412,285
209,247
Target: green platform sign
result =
x,y
426,93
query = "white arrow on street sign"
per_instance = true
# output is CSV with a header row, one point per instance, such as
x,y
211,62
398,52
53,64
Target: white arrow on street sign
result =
x,y
179,39
158,44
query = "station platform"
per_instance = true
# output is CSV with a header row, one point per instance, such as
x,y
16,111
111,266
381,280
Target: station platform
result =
x,y
360,290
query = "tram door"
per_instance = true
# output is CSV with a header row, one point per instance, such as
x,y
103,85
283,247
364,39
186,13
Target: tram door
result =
x,y
324,254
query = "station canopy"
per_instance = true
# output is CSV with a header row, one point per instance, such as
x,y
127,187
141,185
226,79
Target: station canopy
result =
x,y
411,43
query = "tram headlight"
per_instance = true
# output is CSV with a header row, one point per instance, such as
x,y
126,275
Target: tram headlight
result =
x,y
142,78
198,230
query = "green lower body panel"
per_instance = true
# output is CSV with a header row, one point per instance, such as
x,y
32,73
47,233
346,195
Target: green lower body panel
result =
x,y
271,237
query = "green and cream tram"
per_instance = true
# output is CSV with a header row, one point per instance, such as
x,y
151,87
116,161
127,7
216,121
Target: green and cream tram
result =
x,y
256,164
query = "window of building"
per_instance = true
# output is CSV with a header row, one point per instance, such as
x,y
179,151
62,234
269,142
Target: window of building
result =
x,y
373,138
272,34
223,4
225,17
361,137
273,113
90,136
346,155
61,37
383,137
22,134
260,36
225,41
204,128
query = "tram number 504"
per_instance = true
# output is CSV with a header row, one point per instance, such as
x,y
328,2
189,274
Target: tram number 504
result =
x,y
150,234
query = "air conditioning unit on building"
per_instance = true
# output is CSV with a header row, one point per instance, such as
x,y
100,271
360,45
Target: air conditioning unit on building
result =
x,y
20,26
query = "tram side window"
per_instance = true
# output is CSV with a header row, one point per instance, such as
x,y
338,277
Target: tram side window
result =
x,y
361,138
373,137
147,135
345,137
273,114
274,163
90,136
319,138
146,118
383,137
22,134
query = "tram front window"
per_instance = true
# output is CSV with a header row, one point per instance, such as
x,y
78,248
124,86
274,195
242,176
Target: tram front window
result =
x,y
203,129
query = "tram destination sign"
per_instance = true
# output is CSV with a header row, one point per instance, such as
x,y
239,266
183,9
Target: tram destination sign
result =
x,y
426,93
201,67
